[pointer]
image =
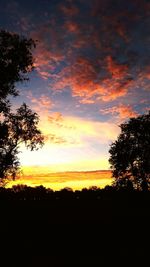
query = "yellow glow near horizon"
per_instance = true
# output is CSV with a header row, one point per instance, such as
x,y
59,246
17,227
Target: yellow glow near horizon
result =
x,y
72,144
73,147
58,181
64,165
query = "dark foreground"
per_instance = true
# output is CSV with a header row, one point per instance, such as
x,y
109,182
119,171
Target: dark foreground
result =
x,y
89,228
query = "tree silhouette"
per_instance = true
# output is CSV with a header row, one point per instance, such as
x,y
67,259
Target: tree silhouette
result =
x,y
16,62
130,154
16,129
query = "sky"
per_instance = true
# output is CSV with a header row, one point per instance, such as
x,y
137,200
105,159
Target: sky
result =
x,y
91,74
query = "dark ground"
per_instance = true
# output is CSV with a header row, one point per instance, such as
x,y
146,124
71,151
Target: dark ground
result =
x,y
89,229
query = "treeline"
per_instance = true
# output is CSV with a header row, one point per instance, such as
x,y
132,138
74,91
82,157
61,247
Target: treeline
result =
x,y
74,228
24,192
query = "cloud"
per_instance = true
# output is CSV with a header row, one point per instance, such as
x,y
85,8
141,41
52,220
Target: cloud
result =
x,y
98,54
80,76
55,139
48,54
117,71
41,104
69,10
121,111
55,117
58,120
74,131
72,27
83,78
87,101
24,23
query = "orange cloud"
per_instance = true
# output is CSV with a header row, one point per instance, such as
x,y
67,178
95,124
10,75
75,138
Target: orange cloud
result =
x,y
55,139
58,120
55,117
83,79
117,71
95,74
147,73
47,57
42,104
72,27
113,89
80,131
121,111
87,101
121,30
79,76
70,10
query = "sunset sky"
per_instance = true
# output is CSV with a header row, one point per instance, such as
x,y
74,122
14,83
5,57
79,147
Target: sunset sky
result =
x,y
91,73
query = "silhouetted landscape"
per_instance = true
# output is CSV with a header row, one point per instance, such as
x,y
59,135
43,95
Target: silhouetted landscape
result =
x,y
92,227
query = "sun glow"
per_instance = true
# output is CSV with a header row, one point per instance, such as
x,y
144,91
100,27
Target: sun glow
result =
x,y
71,144
36,176
74,149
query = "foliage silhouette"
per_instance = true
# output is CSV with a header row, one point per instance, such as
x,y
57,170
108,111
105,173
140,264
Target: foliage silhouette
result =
x,y
16,129
130,154
16,62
